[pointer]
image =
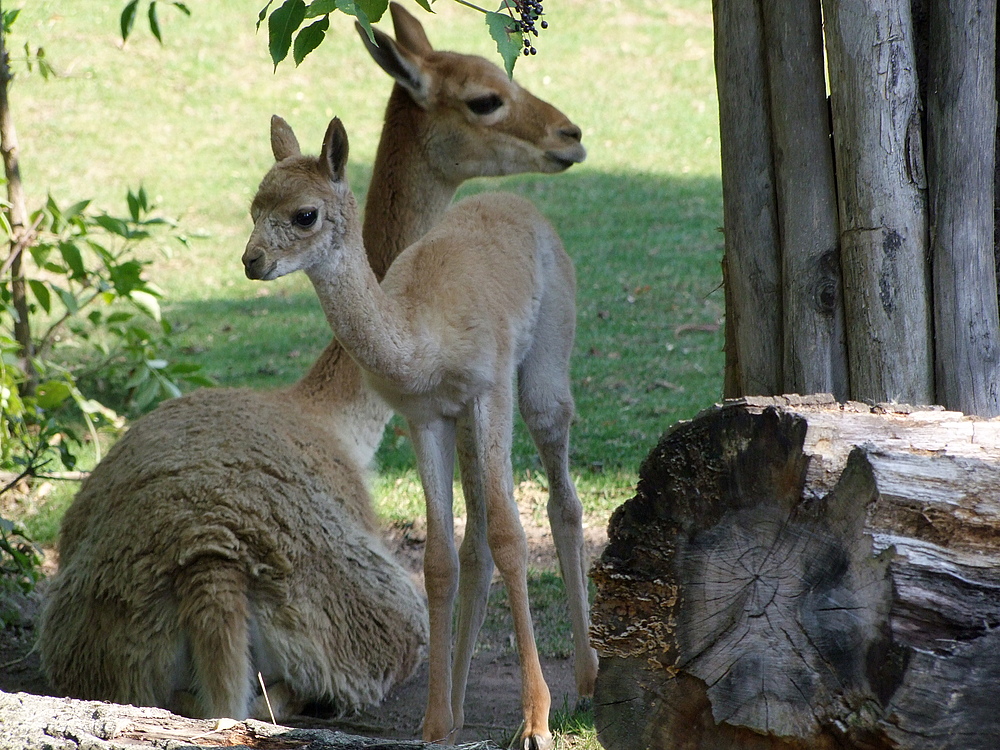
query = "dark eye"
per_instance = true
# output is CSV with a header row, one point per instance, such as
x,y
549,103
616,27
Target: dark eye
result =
x,y
306,217
484,105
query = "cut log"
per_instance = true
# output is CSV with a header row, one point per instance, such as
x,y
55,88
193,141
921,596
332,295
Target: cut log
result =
x,y
33,722
796,573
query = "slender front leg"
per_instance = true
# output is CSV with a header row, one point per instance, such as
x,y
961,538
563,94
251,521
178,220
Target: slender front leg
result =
x,y
475,570
434,446
492,417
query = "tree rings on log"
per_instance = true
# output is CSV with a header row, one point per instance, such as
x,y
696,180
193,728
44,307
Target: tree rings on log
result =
x,y
797,573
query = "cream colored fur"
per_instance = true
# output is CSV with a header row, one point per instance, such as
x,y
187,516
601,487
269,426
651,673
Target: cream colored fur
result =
x,y
486,295
230,531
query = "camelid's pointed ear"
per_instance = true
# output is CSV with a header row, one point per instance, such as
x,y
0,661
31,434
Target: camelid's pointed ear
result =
x,y
333,157
402,64
283,140
409,31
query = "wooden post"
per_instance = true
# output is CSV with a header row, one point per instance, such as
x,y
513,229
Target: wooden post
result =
x,y
962,129
752,269
815,348
795,573
882,192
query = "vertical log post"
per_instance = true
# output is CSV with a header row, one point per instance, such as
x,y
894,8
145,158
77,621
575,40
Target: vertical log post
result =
x,y
882,186
961,128
751,266
815,349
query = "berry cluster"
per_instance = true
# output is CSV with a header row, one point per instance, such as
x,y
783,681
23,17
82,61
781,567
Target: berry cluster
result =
x,y
529,12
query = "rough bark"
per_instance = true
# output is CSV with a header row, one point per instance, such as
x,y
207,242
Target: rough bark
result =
x,y
961,128
794,573
31,722
751,264
815,348
882,193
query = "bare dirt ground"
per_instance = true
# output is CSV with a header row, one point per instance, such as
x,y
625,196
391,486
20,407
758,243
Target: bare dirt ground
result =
x,y
493,699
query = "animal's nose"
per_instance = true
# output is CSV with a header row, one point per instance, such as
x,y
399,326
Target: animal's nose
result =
x,y
571,131
253,263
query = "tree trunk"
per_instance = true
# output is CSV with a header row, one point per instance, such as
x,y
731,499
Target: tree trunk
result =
x,y
17,216
794,573
882,186
815,349
751,266
962,127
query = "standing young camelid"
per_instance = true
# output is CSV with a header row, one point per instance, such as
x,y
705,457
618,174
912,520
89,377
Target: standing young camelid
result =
x,y
230,531
486,294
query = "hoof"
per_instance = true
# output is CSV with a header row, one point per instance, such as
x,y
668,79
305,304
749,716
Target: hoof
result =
x,y
538,742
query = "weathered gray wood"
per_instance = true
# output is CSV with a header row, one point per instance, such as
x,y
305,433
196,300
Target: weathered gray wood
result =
x,y
815,348
751,265
794,573
961,130
882,194
32,722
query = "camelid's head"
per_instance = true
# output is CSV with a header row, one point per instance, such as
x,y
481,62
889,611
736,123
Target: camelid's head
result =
x,y
303,205
480,123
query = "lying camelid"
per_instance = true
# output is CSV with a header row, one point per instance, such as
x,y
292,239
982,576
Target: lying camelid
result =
x,y
486,294
230,531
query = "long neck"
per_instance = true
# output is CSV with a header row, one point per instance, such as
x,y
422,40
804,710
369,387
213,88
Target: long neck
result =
x,y
364,319
407,195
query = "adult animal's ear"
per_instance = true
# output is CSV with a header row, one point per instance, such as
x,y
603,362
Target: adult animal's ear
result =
x,y
283,140
402,64
333,157
409,31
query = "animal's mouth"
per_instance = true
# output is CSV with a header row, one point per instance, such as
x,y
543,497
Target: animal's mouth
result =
x,y
566,159
259,270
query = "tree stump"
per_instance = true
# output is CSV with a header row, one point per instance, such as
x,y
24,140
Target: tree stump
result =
x,y
797,573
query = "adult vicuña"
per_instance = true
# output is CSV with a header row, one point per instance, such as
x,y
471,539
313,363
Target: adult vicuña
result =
x,y
486,294
229,530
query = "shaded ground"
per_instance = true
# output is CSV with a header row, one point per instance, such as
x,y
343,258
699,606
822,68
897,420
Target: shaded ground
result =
x,y
493,699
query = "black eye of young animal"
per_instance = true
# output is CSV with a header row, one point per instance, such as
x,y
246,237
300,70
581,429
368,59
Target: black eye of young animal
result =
x,y
306,218
484,105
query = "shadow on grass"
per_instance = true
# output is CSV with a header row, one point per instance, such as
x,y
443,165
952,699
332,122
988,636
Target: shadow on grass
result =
x,y
647,250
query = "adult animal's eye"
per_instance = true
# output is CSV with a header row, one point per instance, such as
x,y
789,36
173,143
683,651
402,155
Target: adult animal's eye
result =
x,y
484,105
306,217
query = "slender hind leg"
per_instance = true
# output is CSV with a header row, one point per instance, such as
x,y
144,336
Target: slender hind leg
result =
x,y
434,446
475,571
491,416
546,405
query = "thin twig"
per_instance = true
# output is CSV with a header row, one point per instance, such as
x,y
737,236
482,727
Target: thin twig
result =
x,y
267,700
27,239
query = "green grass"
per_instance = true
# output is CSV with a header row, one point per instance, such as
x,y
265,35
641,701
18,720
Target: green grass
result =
x,y
189,121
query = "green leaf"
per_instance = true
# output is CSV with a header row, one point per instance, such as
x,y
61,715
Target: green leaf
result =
x,y
425,5
154,22
73,258
309,39
183,8
52,394
146,302
126,277
263,14
320,8
75,210
506,34
128,18
353,9
281,25
113,225
374,9
41,293
69,299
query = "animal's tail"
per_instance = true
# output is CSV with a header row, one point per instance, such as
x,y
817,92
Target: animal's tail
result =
x,y
214,614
